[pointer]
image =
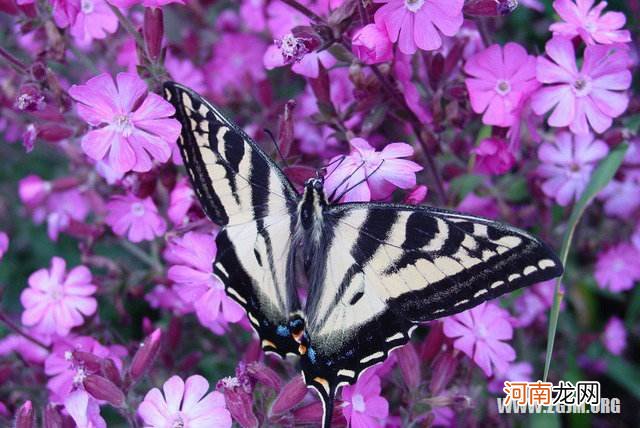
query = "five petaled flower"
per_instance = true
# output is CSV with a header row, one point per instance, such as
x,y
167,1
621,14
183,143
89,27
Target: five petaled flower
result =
x,y
55,300
594,93
137,218
582,19
363,404
184,405
135,125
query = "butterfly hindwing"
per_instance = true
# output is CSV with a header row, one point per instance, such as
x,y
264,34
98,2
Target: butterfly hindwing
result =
x,y
388,267
244,192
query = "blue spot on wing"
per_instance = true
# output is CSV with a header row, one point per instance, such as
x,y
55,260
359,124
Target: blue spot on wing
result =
x,y
312,355
282,331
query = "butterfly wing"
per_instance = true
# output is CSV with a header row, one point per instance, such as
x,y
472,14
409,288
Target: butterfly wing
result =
x,y
387,267
244,192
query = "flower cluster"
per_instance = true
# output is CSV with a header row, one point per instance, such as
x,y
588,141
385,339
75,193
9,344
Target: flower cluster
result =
x,y
111,312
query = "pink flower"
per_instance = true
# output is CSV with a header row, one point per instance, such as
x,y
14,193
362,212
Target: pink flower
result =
x,y
184,404
192,258
4,243
568,163
183,71
303,62
534,303
372,45
61,209
594,93
363,405
617,268
493,157
252,13
232,70
584,20
501,79
622,196
66,373
22,346
137,218
480,333
367,174
413,23
84,410
137,127
180,201
484,206
65,12
95,20
515,372
55,301
614,336
403,69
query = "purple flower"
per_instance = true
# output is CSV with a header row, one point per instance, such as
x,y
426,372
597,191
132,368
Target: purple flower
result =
x,y
591,96
622,196
290,50
493,157
232,70
614,336
135,125
617,268
192,258
136,218
183,71
56,300
65,12
367,174
372,45
252,13
95,20
67,373
568,163
180,201
4,243
501,79
534,303
515,372
484,206
480,333
582,19
417,24
363,406
84,410
184,405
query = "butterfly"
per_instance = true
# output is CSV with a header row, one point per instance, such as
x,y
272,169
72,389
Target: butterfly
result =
x,y
372,271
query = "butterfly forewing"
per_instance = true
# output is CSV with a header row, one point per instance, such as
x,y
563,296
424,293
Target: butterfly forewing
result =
x,y
243,191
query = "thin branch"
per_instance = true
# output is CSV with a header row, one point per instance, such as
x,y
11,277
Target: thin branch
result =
x,y
13,326
128,26
303,10
18,65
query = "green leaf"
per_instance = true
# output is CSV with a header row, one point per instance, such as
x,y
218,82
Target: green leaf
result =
x,y
463,185
601,176
517,189
625,374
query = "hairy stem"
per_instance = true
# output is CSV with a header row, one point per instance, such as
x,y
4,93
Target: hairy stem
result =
x,y
13,326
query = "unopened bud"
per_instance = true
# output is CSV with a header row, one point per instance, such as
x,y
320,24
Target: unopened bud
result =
x,y
444,368
52,417
309,415
290,396
417,195
264,375
54,132
102,388
89,361
239,402
285,129
409,365
153,31
25,418
146,354
111,372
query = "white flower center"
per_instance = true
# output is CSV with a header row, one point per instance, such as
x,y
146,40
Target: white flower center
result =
x,y
56,293
68,355
413,5
503,87
582,86
86,6
591,26
357,401
618,266
178,421
123,124
292,48
79,376
137,209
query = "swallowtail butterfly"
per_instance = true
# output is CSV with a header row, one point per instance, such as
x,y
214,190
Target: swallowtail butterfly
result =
x,y
374,271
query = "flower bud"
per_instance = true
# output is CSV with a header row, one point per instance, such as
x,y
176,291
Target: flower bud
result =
x,y
433,343
54,132
153,31
89,361
25,418
146,354
371,45
417,195
444,368
309,415
285,129
33,190
264,375
102,388
290,396
409,365
111,372
239,402
52,417
489,7
493,157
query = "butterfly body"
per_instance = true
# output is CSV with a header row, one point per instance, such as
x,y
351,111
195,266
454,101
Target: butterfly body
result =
x,y
371,271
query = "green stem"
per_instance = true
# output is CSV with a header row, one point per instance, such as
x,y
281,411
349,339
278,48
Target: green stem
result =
x,y
141,255
13,326
128,26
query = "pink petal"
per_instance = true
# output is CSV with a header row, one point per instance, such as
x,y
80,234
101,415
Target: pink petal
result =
x,y
561,51
173,391
195,388
130,89
96,143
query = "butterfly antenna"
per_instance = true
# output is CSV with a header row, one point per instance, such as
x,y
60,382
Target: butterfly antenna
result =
x,y
344,180
339,160
359,182
275,143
